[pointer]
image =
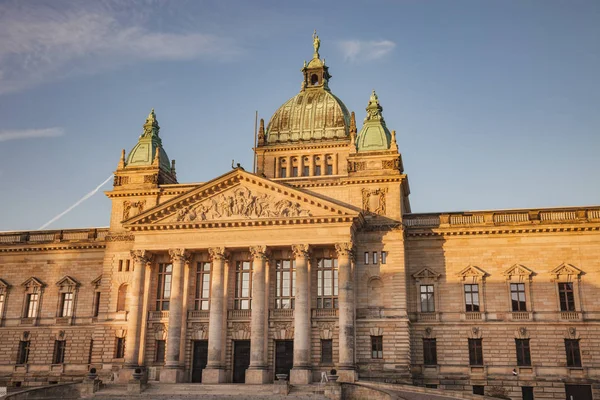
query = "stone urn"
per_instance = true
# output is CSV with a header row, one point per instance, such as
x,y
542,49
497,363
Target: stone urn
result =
x,y
137,374
92,375
332,376
281,377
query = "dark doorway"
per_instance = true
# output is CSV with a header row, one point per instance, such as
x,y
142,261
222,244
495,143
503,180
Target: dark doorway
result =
x,y
578,392
200,357
241,360
284,356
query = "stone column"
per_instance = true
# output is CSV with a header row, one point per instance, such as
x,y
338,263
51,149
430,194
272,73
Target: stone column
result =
x,y
277,167
135,301
311,165
257,372
173,371
301,372
335,164
346,309
215,370
288,170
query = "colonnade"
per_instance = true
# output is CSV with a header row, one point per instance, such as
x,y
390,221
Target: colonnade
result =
x,y
258,371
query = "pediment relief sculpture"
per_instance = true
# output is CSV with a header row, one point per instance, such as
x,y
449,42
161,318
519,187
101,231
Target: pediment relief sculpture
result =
x,y
472,272
567,271
518,272
425,274
239,203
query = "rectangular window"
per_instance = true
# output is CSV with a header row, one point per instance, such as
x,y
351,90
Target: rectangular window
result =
x,y
59,351
305,170
285,290
163,289
523,352
23,354
475,352
429,352
427,298
32,305
517,296
120,265
527,392
283,172
66,306
294,171
326,351
366,258
90,353
329,169
384,257
317,170
127,265
573,353
1,305
472,298
567,298
96,304
479,389
202,300
376,346
327,283
243,285
375,258
159,354
120,348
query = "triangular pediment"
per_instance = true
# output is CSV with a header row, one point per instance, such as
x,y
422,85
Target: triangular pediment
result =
x,y
240,196
472,272
3,285
518,270
67,281
33,282
426,273
566,270
97,281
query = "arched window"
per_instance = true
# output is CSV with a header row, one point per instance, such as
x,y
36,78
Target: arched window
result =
x,y
314,79
122,298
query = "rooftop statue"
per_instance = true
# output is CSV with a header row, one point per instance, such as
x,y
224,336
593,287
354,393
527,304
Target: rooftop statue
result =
x,y
316,44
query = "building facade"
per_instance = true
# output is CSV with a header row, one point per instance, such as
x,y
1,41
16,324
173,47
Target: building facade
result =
x,y
313,262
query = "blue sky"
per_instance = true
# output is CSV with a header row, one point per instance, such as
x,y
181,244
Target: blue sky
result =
x,y
495,102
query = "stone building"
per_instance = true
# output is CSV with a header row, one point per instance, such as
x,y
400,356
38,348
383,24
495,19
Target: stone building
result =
x,y
313,262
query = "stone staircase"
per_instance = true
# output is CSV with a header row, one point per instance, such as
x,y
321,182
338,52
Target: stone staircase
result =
x,y
182,391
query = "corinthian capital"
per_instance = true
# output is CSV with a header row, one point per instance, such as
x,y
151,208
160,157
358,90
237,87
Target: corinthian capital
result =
x,y
300,250
259,252
141,256
345,249
217,253
179,255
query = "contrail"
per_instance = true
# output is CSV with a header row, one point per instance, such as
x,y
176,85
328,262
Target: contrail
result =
x,y
84,198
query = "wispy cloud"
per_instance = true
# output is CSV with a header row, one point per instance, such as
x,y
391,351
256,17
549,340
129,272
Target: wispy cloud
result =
x,y
361,50
40,42
30,134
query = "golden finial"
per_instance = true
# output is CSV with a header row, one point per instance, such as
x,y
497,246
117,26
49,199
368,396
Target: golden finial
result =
x,y
316,44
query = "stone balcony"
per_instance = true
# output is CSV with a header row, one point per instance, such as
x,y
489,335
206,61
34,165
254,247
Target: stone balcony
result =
x,y
53,236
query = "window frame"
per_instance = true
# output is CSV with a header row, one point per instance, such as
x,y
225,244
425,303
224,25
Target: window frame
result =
x,y
67,300
23,352
429,351
322,297
60,348
160,351
377,347
120,347
430,301
201,293
327,354
476,352
163,294
280,272
567,301
367,258
384,255
239,299
523,349
573,353
514,288
469,295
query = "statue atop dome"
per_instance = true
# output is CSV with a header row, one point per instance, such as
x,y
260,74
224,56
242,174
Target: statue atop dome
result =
x,y
316,44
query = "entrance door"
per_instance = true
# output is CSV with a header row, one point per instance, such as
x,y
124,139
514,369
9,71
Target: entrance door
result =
x,y
578,392
241,360
284,356
200,357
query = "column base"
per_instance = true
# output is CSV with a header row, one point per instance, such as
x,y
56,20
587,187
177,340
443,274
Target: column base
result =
x,y
125,374
300,376
347,375
171,375
213,375
257,376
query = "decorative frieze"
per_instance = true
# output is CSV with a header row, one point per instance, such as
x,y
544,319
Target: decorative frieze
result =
x,y
374,201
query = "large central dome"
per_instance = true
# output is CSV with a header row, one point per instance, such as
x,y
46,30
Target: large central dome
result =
x,y
314,113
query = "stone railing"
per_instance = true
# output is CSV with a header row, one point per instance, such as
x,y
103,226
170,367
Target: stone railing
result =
x,y
281,313
324,312
239,314
502,218
198,314
570,315
520,316
158,315
54,236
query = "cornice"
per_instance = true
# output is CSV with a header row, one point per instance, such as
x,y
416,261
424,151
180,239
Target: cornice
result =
x,y
420,232
349,181
273,148
49,247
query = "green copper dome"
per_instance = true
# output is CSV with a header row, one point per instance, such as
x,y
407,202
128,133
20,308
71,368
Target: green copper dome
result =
x,y
144,152
374,134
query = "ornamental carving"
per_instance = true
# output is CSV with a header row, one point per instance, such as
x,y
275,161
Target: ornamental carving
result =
x,y
391,164
300,250
153,179
179,255
344,249
241,203
355,166
258,252
217,253
120,180
141,256
241,326
160,332
374,201
120,237
132,208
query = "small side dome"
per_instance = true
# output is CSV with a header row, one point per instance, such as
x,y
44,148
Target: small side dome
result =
x,y
144,152
374,134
